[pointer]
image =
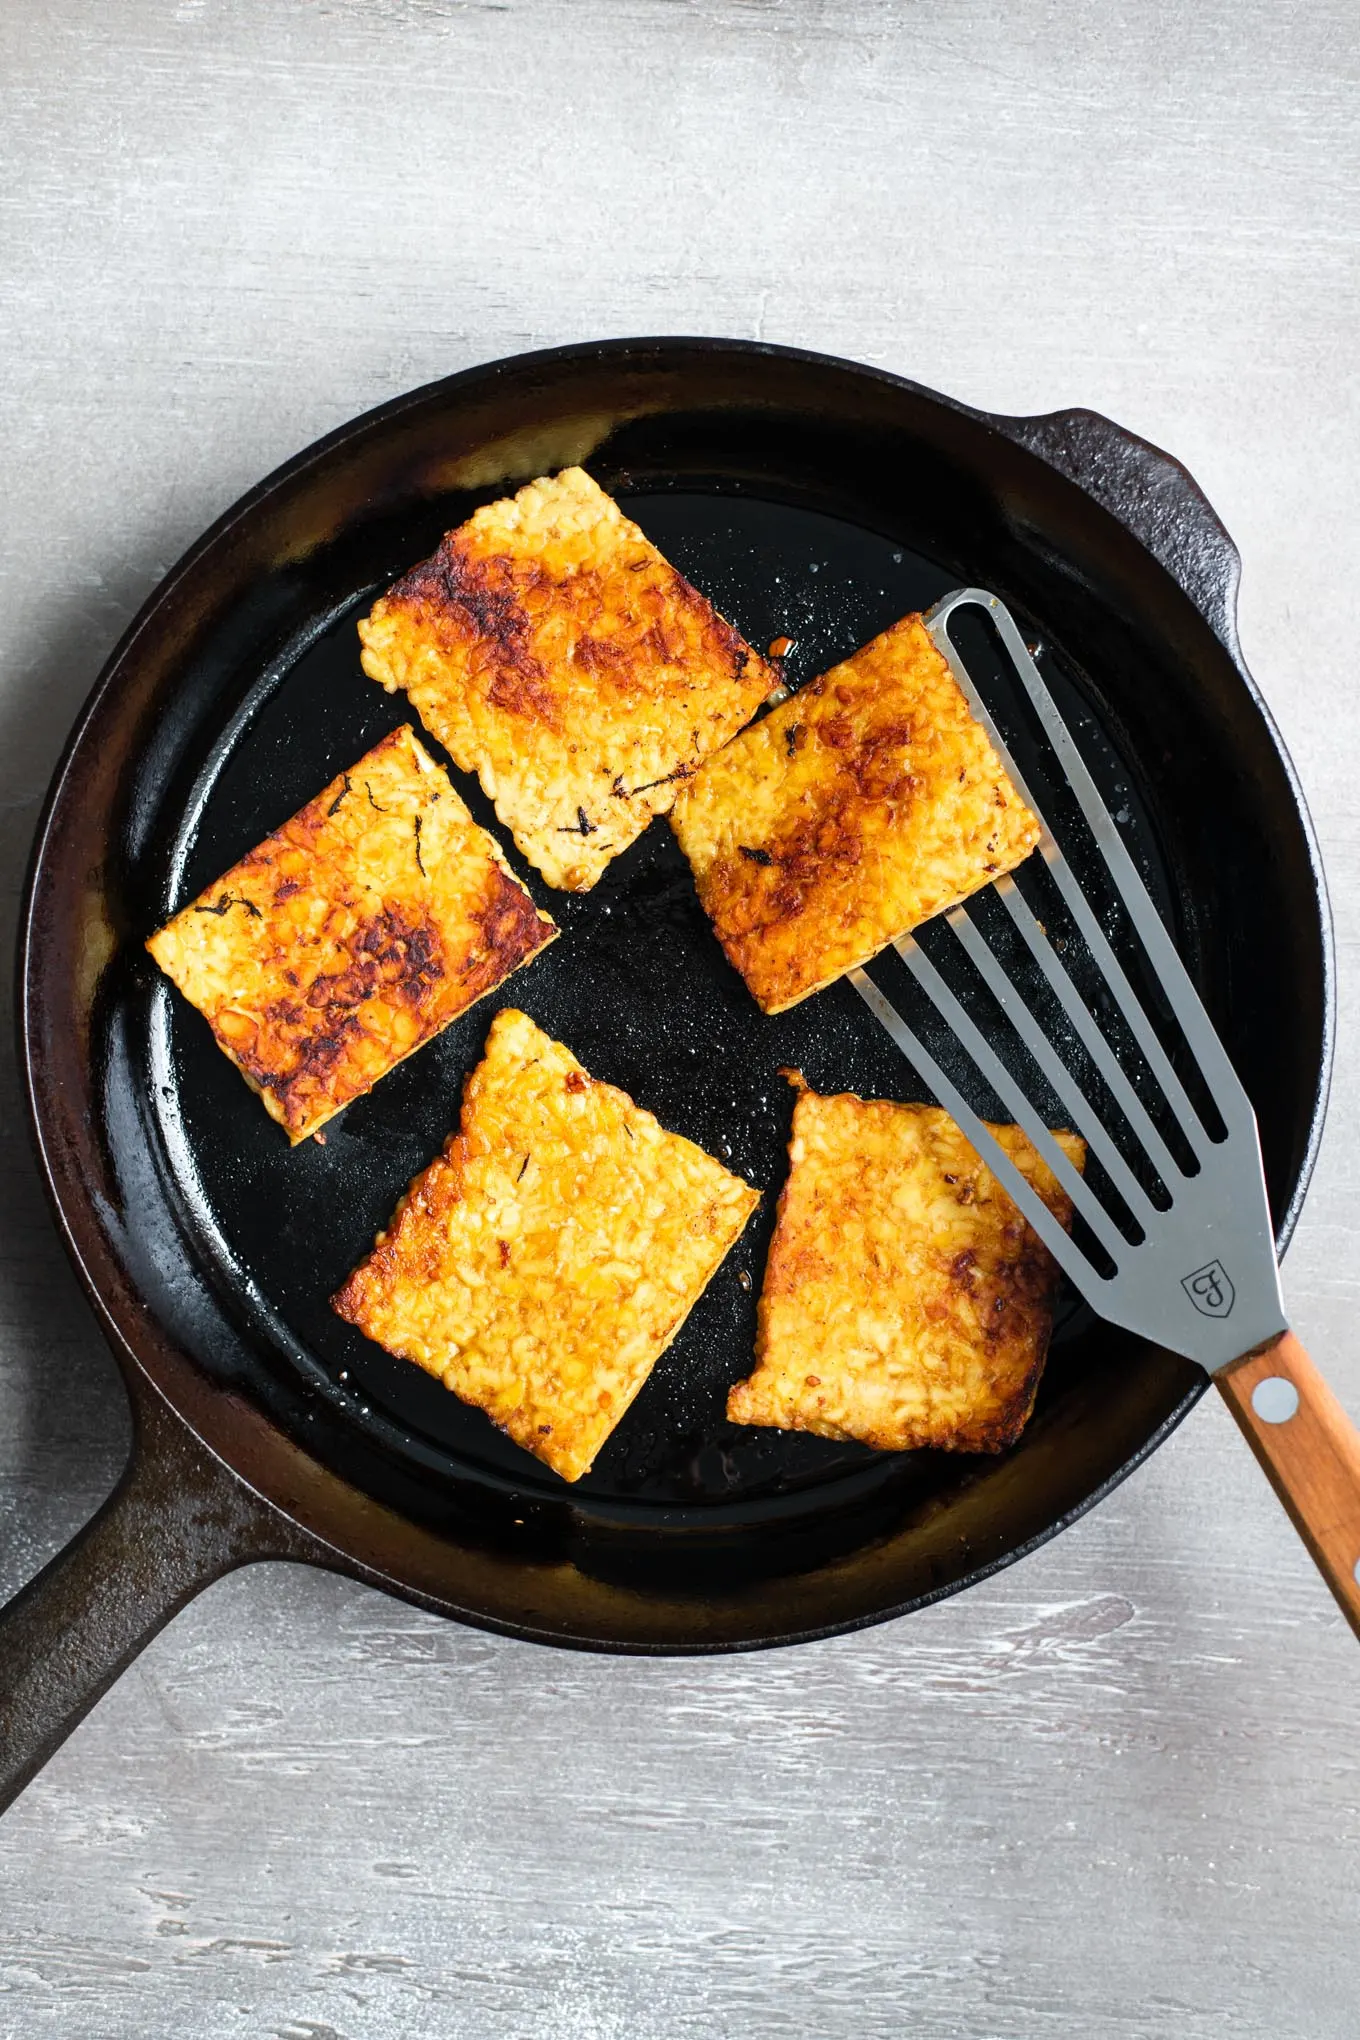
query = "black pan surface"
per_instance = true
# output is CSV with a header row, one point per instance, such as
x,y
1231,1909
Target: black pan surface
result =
x,y
808,500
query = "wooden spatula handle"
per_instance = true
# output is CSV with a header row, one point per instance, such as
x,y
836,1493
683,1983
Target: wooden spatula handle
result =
x,y
1310,1450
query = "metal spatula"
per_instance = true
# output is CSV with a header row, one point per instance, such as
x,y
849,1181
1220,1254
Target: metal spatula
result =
x,y
1172,1235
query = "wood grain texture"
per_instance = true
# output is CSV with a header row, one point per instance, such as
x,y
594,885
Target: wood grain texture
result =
x,y
1311,1458
1116,1791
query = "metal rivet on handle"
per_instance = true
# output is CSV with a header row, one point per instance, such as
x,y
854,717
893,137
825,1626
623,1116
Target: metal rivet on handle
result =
x,y
1275,1399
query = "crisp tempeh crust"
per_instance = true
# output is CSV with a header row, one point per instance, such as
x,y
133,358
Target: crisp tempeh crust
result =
x,y
553,651
849,815
544,1262
351,935
905,1301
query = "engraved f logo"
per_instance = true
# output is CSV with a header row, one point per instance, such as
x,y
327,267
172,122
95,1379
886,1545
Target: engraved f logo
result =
x,y
1210,1290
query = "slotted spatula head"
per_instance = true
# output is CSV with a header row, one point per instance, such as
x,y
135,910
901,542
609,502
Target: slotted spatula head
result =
x,y
1068,995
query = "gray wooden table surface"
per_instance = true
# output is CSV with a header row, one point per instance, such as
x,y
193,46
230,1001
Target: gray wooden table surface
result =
x,y
1114,1791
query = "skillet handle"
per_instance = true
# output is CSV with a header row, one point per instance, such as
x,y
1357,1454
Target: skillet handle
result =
x,y
1310,1450
177,1521
1151,494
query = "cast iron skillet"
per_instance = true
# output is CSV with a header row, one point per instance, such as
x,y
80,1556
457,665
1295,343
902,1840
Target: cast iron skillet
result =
x,y
810,498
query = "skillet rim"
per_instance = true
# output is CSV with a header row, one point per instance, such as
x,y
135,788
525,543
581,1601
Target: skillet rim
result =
x,y
142,1378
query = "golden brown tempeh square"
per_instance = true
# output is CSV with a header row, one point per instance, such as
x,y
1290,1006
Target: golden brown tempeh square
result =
x,y
905,1301
351,935
856,810
544,1262
554,652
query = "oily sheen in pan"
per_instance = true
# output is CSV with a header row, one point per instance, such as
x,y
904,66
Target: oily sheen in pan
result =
x,y
543,1263
351,935
861,807
553,651
905,1303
